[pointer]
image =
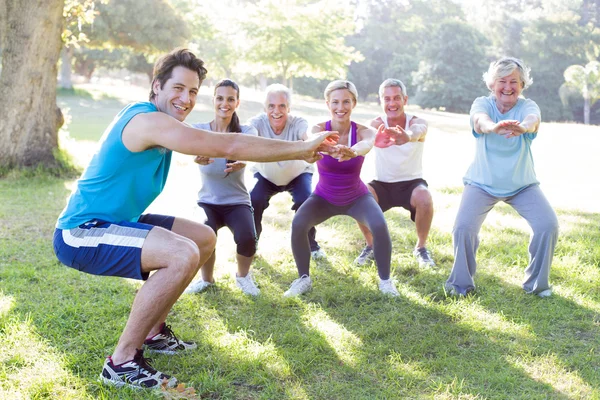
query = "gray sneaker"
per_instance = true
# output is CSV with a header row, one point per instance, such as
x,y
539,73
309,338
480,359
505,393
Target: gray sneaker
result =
x,y
365,256
423,256
299,286
318,254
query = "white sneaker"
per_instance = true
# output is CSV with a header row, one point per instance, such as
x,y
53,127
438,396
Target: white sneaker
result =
x,y
388,287
318,254
299,286
198,286
247,284
423,256
545,293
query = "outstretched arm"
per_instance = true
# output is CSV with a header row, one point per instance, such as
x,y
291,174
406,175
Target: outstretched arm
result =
x,y
158,129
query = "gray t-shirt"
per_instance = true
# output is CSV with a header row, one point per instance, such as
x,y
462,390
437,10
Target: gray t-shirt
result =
x,y
218,187
281,172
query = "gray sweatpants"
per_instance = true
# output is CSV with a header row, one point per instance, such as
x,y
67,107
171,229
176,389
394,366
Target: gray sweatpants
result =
x,y
532,205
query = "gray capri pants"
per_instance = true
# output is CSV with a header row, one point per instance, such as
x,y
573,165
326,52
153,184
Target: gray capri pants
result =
x,y
532,205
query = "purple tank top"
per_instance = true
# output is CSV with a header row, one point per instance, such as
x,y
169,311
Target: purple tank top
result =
x,y
339,182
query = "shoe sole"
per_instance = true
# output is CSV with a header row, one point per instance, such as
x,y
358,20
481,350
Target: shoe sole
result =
x,y
109,382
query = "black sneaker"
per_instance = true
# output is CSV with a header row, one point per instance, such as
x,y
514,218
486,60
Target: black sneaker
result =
x,y
136,373
165,342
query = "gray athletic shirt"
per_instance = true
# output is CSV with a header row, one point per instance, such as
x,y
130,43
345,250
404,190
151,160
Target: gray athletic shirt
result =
x,y
282,172
218,189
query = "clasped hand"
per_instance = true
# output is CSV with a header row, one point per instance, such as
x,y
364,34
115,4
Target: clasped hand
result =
x,y
231,166
387,137
509,128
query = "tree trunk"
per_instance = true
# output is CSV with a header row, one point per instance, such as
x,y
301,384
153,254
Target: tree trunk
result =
x,y
586,110
30,117
3,24
66,55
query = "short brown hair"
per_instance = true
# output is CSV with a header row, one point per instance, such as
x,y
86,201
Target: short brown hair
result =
x,y
163,69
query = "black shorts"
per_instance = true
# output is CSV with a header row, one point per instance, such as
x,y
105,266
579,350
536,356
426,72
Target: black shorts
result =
x,y
396,194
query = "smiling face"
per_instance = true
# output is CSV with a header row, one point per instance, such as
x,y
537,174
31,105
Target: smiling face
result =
x,y
226,101
340,104
177,97
507,89
393,102
277,109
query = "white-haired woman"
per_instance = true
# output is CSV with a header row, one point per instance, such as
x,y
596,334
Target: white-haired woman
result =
x,y
340,190
504,125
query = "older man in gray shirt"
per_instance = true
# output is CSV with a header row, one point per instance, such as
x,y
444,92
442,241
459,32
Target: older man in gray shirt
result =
x,y
294,176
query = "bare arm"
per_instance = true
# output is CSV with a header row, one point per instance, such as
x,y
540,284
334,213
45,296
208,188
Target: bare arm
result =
x,y
417,129
158,129
482,124
365,139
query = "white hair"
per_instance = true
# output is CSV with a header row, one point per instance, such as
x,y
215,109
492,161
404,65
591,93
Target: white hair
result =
x,y
392,83
278,88
504,67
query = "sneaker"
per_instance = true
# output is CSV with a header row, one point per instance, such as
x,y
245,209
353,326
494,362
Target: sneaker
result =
x,y
299,286
198,286
423,256
388,287
136,373
247,284
318,254
545,293
165,342
365,256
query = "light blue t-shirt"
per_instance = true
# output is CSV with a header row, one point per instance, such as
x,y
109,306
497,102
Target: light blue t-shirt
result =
x,y
502,167
218,187
118,185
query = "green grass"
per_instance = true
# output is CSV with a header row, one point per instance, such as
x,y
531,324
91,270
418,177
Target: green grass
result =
x,y
342,340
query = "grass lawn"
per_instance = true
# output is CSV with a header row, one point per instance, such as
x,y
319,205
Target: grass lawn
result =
x,y
343,340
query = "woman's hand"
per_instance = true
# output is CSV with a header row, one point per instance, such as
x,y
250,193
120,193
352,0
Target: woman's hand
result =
x,y
343,153
234,166
203,160
510,128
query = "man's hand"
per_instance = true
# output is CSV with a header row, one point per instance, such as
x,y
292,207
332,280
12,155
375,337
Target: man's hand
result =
x,y
387,137
320,142
203,160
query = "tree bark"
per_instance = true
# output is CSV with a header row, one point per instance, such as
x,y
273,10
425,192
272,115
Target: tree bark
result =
x,y
29,116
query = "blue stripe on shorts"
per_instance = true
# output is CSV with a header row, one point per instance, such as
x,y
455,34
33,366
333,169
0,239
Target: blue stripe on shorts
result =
x,y
104,248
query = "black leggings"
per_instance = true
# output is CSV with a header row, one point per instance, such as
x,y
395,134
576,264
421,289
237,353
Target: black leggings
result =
x,y
364,210
240,221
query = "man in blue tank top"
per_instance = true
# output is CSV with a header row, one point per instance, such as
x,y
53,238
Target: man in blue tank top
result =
x,y
103,230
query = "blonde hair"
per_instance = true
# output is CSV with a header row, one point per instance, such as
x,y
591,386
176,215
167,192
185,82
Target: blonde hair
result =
x,y
340,84
504,67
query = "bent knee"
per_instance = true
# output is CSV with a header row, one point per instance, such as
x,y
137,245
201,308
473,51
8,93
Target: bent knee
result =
x,y
421,198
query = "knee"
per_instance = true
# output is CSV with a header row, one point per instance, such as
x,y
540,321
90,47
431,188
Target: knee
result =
x,y
185,258
547,225
206,240
421,198
299,226
246,245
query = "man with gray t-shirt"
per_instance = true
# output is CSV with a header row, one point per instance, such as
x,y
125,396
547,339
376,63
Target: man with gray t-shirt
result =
x,y
294,176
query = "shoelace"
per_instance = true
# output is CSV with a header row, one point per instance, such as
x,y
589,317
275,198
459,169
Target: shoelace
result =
x,y
144,364
169,332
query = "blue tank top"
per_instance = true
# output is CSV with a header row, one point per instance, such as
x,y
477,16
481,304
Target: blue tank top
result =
x,y
118,185
339,182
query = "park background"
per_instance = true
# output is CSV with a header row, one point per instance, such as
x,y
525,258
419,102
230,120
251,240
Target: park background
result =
x,y
342,340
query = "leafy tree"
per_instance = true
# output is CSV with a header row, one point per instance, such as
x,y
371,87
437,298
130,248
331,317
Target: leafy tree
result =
x,y
299,38
391,36
586,80
452,63
30,117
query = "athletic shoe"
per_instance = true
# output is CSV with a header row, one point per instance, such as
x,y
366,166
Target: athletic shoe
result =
x,y
165,342
423,256
198,286
247,284
545,293
365,256
388,287
318,254
136,373
299,286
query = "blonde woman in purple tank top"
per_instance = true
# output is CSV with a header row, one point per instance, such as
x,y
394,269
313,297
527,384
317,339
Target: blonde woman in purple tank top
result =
x,y
340,190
